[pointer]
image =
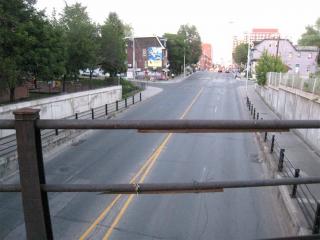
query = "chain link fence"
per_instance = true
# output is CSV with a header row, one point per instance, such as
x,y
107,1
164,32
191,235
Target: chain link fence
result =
x,y
310,85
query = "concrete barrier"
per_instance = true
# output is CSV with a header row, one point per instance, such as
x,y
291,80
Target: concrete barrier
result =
x,y
64,105
294,104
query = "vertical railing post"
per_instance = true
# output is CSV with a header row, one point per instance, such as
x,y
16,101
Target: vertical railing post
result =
x,y
32,176
251,109
265,136
92,113
57,132
295,186
272,144
254,113
76,116
140,96
117,105
257,116
316,222
106,109
133,99
125,103
281,158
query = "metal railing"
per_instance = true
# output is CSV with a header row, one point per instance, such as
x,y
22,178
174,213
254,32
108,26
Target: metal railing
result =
x,y
306,200
8,144
33,185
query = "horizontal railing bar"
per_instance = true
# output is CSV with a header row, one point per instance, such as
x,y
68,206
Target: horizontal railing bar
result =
x,y
149,188
305,237
7,124
181,125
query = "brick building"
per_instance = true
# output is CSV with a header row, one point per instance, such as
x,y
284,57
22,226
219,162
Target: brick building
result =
x,y
205,62
150,58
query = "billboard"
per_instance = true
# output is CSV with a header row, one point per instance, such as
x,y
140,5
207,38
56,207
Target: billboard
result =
x,y
154,57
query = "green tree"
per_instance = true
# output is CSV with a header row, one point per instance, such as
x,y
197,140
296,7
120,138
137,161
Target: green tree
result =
x,y
45,59
240,54
18,38
175,47
80,38
268,63
113,45
311,37
192,39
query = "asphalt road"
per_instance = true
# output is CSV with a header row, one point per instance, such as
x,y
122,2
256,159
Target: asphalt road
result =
x,y
117,156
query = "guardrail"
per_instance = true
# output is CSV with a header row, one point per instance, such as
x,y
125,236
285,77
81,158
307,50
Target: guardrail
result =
x,y
33,185
306,200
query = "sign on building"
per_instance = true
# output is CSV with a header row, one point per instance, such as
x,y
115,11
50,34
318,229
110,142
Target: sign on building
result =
x,y
154,57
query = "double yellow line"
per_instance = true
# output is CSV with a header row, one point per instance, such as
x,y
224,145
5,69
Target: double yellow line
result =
x,y
143,172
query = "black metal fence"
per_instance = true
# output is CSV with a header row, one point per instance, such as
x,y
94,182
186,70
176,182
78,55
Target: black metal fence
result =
x,y
306,200
33,185
8,144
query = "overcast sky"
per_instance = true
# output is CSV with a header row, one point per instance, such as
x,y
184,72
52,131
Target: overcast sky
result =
x,y
216,21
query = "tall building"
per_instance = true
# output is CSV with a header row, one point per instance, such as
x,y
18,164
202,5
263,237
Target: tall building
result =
x,y
205,62
259,34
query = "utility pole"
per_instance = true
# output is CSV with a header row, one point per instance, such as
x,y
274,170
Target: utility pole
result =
x,y
248,64
278,42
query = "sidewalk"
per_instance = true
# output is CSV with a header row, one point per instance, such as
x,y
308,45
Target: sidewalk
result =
x,y
296,150
176,79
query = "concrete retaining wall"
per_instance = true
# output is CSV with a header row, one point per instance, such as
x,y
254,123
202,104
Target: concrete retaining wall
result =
x,y
294,104
64,105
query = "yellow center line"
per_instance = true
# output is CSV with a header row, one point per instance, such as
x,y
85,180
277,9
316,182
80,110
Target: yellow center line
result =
x,y
154,158
116,199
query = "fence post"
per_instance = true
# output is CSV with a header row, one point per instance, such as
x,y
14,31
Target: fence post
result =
x,y
106,109
117,105
272,144
132,99
281,158
125,103
251,109
249,105
57,132
254,113
314,85
76,116
265,136
257,116
316,222
294,188
140,96
35,201
92,113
